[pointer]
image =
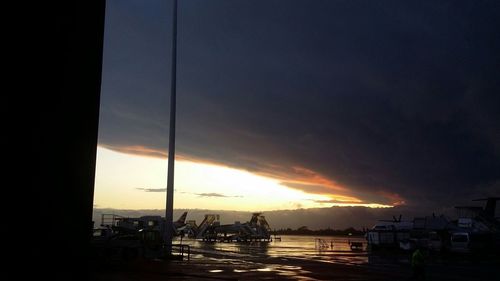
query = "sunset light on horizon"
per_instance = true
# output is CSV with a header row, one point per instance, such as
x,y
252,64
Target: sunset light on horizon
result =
x,y
137,181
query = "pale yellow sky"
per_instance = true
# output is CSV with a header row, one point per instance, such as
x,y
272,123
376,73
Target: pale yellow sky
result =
x,y
122,181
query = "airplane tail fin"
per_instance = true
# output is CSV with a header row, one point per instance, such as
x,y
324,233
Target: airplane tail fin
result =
x,y
491,203
182,218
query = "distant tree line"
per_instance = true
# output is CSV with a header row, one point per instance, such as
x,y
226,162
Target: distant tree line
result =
x,y
303,230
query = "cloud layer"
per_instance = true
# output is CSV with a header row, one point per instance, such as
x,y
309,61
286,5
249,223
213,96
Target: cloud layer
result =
x,y
386,103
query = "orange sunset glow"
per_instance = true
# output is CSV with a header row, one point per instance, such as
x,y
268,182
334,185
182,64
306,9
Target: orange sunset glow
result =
x,y
134,178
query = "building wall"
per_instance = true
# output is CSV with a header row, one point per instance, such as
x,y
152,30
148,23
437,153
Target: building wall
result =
x,y
62,108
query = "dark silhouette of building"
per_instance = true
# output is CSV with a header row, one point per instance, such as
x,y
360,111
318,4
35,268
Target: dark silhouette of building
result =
x,y
60,109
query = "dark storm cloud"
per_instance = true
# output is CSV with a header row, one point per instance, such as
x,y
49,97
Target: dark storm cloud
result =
x,y
212,194
333,202
152,189
394,101
208,194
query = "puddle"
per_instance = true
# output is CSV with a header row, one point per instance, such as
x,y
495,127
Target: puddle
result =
x,y
240,270
216,270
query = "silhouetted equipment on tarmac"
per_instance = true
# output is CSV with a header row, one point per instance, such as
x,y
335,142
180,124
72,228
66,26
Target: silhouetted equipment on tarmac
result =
x,y
476,229
210,229
355,246
127,225
128,238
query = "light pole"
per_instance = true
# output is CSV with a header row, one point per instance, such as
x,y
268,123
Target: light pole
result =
x,y
169,210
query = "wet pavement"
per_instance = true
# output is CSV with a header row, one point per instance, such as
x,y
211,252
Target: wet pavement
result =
x,y
297,258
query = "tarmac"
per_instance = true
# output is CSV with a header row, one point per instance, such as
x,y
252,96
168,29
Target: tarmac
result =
x,y
234,269
227,261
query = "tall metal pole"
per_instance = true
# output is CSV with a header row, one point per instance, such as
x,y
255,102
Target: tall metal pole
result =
x,y
169,210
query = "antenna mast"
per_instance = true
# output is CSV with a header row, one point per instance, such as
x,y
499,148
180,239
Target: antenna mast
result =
x,y
169,210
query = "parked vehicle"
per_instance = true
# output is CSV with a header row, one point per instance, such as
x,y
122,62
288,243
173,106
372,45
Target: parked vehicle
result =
x,y
460,242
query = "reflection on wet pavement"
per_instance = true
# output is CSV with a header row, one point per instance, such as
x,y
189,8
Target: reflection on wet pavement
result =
x,y
299,258
298,247
247,258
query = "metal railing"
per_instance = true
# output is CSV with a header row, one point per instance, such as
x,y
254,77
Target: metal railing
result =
x,y
109,219
183,249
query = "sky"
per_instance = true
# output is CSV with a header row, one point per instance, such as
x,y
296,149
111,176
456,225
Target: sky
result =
x,y
301,104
